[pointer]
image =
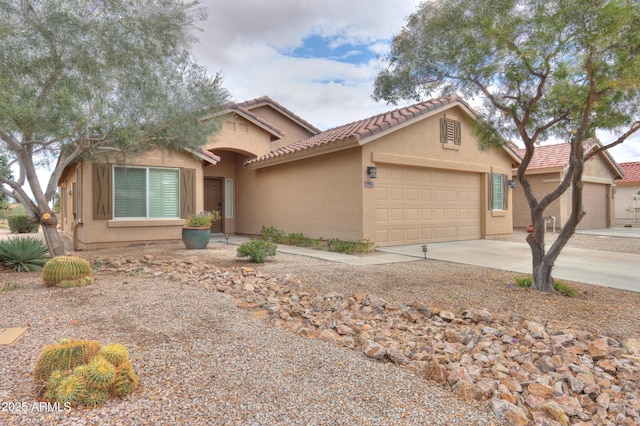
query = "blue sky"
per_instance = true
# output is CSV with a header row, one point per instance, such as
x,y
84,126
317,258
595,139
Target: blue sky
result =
x,y
317,58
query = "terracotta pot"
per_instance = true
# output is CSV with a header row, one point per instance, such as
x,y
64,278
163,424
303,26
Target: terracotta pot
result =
x,y
530,228
196,238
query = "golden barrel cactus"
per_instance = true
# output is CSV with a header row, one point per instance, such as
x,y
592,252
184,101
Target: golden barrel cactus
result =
x,y
66,271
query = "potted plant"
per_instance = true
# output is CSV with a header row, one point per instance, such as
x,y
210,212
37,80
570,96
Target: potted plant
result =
x,y
197,229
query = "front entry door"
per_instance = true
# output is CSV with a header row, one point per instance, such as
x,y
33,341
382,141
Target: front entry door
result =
x,y
213,201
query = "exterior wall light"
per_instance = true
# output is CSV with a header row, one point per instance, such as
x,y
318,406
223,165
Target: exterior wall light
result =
x,y
512,183
372,172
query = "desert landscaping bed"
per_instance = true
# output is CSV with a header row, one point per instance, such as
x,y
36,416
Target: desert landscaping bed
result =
x,y
202,360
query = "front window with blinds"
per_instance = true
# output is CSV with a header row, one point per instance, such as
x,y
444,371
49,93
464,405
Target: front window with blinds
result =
x,y
146,192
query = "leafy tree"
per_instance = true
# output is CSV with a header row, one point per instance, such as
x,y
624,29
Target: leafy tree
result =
x,y
5,171
545,68
83,77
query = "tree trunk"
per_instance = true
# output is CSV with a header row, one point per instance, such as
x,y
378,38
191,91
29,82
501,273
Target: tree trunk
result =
x,y
542,262
53,237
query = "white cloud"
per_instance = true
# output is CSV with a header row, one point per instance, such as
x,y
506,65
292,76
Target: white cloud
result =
x,y
245,41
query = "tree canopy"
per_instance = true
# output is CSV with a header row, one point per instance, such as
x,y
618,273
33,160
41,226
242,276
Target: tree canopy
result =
x,y
544,68
80,77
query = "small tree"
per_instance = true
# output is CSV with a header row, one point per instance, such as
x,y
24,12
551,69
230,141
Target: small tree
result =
x,y
546,68
79,78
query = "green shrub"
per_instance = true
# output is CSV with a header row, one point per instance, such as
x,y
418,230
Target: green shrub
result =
x,y
524,282
21,224
24,254
300,240
564,289
257,250
349,247
559,286
271,234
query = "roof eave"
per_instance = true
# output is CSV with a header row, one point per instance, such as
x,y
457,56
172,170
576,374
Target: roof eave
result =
x,y
210,158
310,152
247,117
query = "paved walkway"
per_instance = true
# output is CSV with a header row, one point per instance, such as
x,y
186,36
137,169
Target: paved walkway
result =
x,y
618,270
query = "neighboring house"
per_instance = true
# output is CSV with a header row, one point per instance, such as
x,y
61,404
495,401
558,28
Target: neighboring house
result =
x,y
628,194
545,172
412,175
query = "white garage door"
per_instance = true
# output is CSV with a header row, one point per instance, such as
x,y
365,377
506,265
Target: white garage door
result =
x,y
416,205
594,201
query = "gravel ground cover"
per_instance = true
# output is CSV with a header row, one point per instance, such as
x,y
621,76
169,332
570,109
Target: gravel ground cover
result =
x,y
202,360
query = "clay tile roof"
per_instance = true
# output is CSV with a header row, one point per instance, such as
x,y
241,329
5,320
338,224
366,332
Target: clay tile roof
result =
x,y
548,156
266,100
362,129
631,172
557,155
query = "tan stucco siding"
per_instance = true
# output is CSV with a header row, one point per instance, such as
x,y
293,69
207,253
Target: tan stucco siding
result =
x,y
90,233
240,135
319,197
292,131
542,185
627,203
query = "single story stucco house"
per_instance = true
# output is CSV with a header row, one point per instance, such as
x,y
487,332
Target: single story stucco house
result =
x,y
545,172
628,194
411,175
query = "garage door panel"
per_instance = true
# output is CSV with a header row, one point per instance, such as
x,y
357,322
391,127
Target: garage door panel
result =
x,y
412,214
426,214
397,194
422,205
382,215
397,214
382,194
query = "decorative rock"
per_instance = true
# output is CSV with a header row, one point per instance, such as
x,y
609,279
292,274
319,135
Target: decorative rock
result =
x,y
396,355
599,349
330,336
553,410
632,346
437,373
541,391
545,373
447,315
373,350
515,415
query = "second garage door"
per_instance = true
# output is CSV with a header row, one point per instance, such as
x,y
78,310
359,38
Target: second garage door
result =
x,y
415,205
594,201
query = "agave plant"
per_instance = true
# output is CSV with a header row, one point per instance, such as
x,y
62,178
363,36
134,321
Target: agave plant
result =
x,y
24,254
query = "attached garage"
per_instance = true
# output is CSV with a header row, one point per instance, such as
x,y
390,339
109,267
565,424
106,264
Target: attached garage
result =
x,y
415,205
548,168
595,204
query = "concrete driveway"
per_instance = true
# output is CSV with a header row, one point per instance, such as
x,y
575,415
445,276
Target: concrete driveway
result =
x,y
611,269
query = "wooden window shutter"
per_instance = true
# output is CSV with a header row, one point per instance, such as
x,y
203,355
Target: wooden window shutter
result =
x,y
505,192
101,184
490,191
74,199
456,133
187,192
443,130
